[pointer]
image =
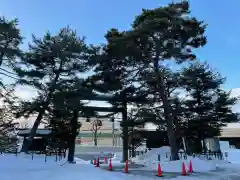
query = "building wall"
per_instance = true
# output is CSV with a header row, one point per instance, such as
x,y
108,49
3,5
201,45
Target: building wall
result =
x,y
102,140
105,134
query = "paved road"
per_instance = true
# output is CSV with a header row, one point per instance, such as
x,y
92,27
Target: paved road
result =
x,y
87,157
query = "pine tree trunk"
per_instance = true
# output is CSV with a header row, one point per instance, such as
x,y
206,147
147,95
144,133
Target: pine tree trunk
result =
x,y
125,130
169,120
41,113
71,145
33,132
71,148
95,138
161,88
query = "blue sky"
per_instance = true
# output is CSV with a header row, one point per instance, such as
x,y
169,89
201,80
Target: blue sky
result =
x,y
92,18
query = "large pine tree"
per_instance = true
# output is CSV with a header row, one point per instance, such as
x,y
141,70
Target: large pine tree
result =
x,y
48,61
156,35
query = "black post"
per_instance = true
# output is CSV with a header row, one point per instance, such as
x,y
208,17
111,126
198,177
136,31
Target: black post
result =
x,y
125,128
45,157
71,142
56,156
32,155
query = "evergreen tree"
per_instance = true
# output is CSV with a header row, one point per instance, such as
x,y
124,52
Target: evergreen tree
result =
x,y
156,35
47,62
64,111
10,39
222,111
206,108
8,136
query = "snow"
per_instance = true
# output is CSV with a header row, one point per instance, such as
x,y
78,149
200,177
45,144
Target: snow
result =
x,y
176,166
224,145
232,155
152,155
142,147
117,156
150,161
22,167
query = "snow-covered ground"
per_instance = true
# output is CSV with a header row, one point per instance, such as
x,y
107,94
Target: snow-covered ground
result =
x,y
22,167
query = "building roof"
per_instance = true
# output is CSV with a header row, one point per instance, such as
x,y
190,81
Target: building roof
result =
x,y
40,132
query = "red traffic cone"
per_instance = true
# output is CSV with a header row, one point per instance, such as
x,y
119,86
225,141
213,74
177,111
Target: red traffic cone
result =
x,y
190,167
126,167
105,160
159,171
95,162
98,163
184,172
110,168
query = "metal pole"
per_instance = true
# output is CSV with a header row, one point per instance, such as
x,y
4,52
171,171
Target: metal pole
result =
x,y
113,135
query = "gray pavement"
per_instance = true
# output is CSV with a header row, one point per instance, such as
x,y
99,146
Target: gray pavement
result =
x,y
87,157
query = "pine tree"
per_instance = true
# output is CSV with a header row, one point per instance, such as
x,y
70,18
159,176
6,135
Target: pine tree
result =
x,y
222,111
207,108
8,136
10,39
47,62
156,35
64,111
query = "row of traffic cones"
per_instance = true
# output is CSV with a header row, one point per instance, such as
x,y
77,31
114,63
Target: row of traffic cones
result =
x,y
184,172
110,167
159,170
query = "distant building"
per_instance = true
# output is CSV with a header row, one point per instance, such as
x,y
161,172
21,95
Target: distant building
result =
x,y
38,143
106,135
231,133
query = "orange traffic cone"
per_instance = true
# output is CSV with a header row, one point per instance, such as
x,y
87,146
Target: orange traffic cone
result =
x,y
110,168
105,160
159,171
126,167
190,167
184,172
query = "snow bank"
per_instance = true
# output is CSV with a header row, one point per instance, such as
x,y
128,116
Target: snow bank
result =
x,y
81,161
150,161
117,156
232,155
142,147
152,155
176,166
